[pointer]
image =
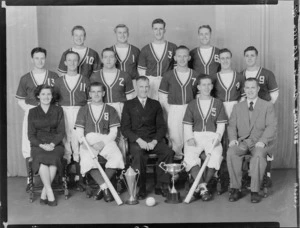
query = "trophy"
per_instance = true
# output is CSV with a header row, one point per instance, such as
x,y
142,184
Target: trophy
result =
x,y
173,196
130,180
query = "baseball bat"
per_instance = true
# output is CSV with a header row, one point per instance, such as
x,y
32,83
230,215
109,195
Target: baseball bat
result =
x,y
106,179
199,175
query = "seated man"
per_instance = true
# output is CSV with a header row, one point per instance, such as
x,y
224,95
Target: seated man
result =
x,y
99,123
252,126
204,121
143,124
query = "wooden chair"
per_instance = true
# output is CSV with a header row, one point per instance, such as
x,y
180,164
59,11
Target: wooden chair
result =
x,y
59,184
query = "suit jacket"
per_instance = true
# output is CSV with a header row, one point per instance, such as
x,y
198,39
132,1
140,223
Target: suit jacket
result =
x,y
146,123
261,128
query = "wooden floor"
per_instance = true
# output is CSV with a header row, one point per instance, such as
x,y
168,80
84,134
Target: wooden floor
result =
x,y
278,207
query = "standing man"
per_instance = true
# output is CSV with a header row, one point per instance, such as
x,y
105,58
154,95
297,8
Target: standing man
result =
x,y
89,60
25,93
73,90
204,121
205,58
127,54
252,128
177,88
99,123
268,86
156,58
227,83
143,124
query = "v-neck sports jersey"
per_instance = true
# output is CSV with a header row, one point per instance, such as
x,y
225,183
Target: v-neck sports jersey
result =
x,y
116,92
231,93
198,64
129,64
108,118
77,96
179,93
195,117
28,84
89,63
154,66
267,83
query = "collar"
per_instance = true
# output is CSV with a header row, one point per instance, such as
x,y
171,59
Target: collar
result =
x,y
142,99
254,102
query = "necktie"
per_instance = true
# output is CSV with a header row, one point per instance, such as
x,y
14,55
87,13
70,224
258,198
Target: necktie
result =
x,y
250,110
143,103
251,106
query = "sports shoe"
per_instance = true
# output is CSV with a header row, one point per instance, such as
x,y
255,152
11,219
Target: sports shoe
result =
x,y
107,195
205,194
235,195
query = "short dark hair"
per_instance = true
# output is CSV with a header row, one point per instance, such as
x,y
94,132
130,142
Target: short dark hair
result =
x,y
95,84
142,78
108,49
224,50
252,80
55,94
182,47
71,52
204,26
158,21
203,77
121,26
78,27
251,48
37,50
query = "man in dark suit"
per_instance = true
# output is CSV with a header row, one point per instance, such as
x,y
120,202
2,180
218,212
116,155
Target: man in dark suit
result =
x,y
143,124
252,128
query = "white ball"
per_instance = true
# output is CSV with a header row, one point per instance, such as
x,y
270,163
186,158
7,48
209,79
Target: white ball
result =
x,y
150,201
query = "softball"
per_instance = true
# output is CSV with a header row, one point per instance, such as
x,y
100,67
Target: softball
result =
x,y
150,202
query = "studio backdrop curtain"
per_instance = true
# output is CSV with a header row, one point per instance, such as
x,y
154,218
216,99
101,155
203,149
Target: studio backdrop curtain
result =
x,y
22,37
268,28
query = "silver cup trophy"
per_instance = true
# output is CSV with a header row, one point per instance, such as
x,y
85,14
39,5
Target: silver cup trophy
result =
x,y
173,196
130,180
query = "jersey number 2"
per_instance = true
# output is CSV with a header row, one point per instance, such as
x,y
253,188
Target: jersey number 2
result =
x,y
121,81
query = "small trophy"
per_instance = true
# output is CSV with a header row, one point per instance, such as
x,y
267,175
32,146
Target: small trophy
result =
x,y
173,196
130,180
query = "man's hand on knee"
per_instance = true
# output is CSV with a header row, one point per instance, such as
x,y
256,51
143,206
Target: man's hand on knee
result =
x,y
143,144
152,144
260,144
98,146
233,143
191,142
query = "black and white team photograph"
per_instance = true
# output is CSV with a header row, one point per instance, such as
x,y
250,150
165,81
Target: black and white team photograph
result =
x,y
151,114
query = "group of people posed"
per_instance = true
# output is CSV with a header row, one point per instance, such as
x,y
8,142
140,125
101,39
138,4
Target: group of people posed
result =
x,y
163,99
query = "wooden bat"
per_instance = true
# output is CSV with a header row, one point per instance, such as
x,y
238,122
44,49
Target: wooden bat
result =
x,y
106,179
199,175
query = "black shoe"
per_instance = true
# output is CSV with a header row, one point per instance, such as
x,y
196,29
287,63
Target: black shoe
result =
x,y
142,194
255,198
206,195
162,190
108,196
235,195
99,195
43,201
52,203
88,192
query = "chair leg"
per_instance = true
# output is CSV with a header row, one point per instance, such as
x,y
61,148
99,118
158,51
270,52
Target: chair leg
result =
x,y
65,185
154,173
30,176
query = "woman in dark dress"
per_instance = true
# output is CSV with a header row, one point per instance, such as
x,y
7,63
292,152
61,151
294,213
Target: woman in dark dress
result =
x,y
46,129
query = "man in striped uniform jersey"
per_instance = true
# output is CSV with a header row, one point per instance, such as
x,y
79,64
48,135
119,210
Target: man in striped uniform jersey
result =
x,y
118,84
127,54
177,88
204,121
89,58
268,86
205,59
25,92
99,123
72,88
227,83
156,58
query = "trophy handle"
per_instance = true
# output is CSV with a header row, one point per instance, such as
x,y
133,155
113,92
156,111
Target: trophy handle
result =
x,y
161,164
137,175
182,166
